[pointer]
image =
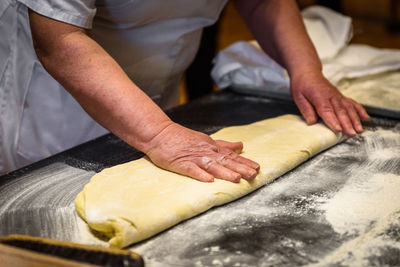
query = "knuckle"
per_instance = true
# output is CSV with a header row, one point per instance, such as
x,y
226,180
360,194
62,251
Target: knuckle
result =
x,y
189,168
206,146
207,162
222,159
226,151
231,154
341,111
325,108
347,104
184,167
299,99
350,99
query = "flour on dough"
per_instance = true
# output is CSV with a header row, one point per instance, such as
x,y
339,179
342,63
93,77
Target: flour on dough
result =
x,y
380,90
136,200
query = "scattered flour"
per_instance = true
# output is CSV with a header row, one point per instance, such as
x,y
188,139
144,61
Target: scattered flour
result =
x,y
364,201
367,205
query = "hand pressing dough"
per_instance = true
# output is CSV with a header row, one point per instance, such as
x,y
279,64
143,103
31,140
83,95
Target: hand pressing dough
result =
x,y
133,201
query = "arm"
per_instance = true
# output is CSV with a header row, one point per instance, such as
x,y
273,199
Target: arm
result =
x,y
107,94
278,27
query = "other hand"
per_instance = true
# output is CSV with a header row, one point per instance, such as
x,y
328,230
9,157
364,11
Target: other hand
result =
x,y
314,94
197,155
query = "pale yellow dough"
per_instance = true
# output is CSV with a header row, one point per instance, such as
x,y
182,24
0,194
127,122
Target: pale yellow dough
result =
x,y
133,201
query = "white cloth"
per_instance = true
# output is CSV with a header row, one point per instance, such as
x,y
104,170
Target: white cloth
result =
x,y
357,60
328,30
245,65
154,41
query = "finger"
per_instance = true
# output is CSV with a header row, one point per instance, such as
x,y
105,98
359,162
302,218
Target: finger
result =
x,y
327,114
343,117
306,109
242,160
190,169
248,162
245,171
219,171
234,146
361,111
355,119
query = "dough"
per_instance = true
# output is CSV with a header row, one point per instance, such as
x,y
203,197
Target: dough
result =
x,y
133,201
380,90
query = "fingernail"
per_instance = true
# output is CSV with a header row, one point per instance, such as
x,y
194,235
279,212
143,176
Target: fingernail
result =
x,y
253,174
237,179
210,180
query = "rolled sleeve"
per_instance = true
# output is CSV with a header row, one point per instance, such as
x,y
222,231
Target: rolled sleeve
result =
x,y
76,12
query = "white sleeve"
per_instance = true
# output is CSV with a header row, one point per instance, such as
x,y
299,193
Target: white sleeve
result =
x,y
76,12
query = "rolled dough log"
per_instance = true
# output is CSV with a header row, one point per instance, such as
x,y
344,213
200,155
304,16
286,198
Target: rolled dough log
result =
x,y
133,201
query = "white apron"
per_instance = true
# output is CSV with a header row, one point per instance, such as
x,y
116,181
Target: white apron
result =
x,y
153,40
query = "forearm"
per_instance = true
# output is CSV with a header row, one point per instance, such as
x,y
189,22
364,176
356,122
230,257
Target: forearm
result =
x,y
111,98
278,27
97,82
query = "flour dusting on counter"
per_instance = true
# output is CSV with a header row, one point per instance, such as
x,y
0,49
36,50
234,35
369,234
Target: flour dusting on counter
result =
x,y
363,202
367,207
341,208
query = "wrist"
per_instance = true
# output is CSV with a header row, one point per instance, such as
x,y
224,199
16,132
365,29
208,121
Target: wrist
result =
x,y
145,139
308,80
305,72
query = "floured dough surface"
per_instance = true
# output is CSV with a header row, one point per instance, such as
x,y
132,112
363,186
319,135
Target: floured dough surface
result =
x,y
380,90
133,201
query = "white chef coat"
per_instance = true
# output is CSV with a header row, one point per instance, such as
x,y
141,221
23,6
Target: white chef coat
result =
x,y
153,40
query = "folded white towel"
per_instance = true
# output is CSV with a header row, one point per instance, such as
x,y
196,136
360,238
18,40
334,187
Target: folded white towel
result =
x,y
244,63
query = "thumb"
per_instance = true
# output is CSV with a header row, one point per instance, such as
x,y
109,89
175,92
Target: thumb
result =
x,y
234,146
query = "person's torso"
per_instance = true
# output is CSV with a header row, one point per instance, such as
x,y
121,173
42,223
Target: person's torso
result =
x,y
154,40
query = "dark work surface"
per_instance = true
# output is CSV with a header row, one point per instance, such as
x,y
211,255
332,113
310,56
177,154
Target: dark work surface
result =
x,y
338,209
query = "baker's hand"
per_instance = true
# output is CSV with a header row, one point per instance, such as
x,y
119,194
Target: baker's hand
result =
x,y
314,94
195,154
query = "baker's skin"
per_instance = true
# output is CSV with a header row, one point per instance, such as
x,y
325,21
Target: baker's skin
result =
x,y
102,88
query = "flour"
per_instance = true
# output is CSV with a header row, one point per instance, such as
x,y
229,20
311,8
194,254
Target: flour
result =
x,y
84,235
364,201
368,205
